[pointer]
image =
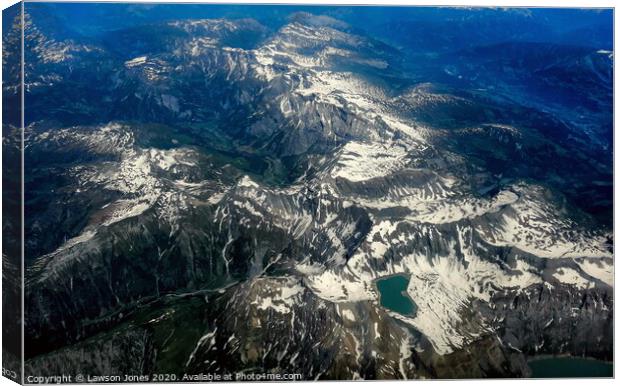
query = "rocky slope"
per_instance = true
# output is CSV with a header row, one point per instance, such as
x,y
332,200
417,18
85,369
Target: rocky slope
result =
x,y
227,204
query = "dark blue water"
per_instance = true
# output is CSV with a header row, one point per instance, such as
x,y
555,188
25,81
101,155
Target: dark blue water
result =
x,y
568,367
393,295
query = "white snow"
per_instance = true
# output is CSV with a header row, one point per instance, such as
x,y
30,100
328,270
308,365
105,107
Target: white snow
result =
x,y
280,299
126,209
136,61
246,182
404,357
363,161
570,276
598,268
348,315
537,227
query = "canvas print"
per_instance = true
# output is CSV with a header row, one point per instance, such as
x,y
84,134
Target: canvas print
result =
x,y
295,192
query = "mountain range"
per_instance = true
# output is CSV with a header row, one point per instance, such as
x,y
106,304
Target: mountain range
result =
x,y
221,194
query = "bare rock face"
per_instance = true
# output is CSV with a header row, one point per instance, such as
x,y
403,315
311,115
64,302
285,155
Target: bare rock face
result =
x,y
534,322
227,205
116,354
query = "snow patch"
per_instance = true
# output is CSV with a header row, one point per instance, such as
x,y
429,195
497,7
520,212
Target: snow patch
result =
x,y
364,161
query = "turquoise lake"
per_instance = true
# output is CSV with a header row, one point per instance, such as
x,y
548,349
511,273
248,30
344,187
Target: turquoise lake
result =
x,y
568,367
393,295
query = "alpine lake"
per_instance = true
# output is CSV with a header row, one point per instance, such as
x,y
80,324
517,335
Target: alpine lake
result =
x,y
570,367
393,294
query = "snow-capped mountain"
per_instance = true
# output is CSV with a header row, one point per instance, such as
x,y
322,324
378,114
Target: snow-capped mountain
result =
x,y
225,196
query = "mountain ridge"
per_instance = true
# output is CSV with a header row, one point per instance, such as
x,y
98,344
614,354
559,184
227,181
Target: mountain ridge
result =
x,y
161,215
